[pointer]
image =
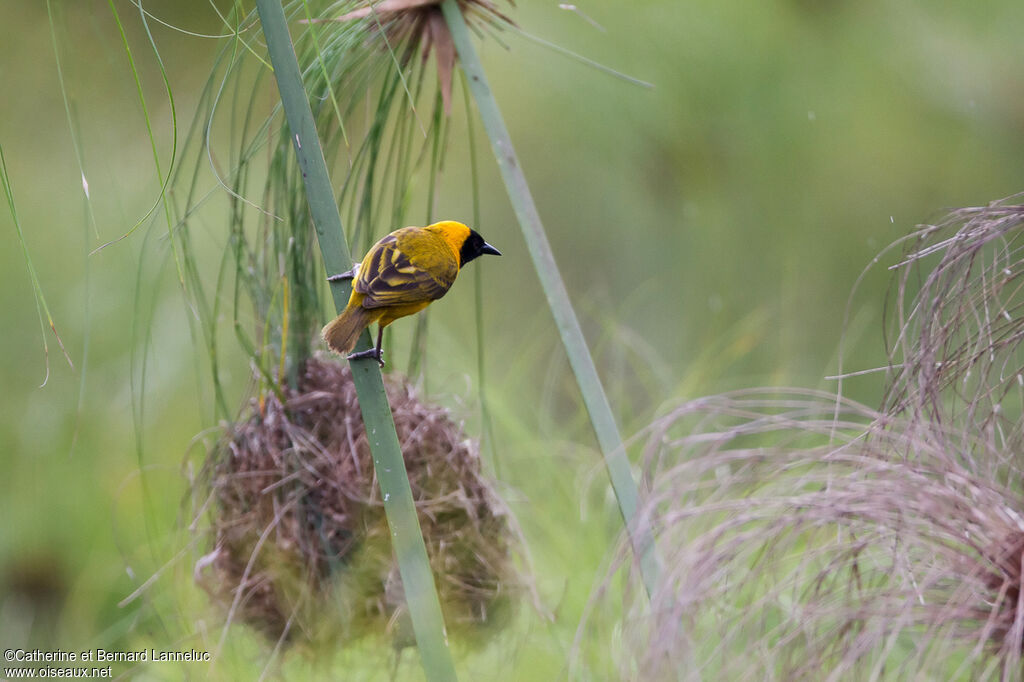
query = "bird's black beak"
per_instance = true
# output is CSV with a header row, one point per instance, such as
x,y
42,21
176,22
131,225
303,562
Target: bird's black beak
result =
x,y
488,249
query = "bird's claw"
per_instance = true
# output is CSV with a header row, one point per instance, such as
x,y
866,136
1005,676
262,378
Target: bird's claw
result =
x,y
348,274
367,354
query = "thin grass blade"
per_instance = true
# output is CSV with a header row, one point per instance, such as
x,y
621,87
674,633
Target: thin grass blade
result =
x,y
41,307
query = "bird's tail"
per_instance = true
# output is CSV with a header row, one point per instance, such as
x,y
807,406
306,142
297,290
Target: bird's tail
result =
x,y
342,333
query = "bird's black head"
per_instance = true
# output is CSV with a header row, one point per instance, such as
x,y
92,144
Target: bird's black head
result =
x,y
475,246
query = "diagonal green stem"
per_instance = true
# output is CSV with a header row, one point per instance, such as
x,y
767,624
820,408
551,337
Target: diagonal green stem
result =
x,y
407,539
594,397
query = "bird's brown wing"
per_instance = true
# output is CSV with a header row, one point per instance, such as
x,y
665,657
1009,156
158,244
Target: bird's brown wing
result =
x,y
405,269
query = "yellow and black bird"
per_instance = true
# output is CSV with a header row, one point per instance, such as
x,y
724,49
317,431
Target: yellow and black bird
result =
x,y
400,275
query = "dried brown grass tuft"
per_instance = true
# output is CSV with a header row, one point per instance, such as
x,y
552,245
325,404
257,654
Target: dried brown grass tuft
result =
x,y
301,538
419,26
805,546
958,324
807,536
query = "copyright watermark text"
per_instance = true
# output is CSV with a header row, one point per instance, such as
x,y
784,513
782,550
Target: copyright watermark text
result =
x,y
86,663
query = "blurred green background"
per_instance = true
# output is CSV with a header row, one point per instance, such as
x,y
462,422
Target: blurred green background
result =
x,y
710,231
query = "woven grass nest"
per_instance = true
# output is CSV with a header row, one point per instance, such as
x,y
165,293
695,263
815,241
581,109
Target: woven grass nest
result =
x,y
302,547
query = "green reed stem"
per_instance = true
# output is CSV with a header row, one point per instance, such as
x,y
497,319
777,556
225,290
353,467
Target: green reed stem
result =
x,y
582,363
407,539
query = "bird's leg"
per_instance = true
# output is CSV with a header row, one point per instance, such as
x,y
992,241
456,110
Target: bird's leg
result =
x,y
380,340
374,353
348,274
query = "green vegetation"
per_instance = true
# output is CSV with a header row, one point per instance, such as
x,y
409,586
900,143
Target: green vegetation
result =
x,y
708,230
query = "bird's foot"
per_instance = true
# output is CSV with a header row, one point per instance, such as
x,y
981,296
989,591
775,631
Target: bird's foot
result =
x,y
348,274
368,353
